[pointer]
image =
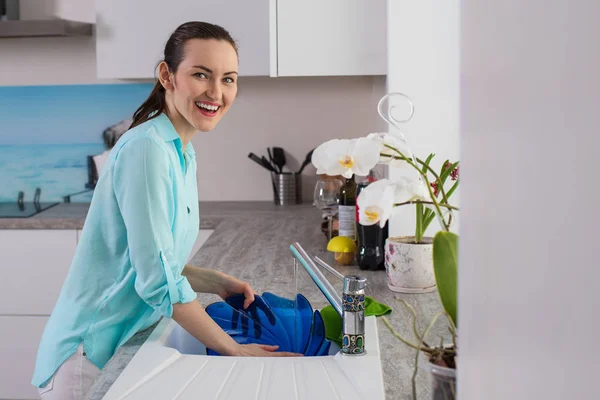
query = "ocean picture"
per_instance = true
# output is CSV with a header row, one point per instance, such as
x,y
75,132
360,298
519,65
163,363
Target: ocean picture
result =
x,y
47,132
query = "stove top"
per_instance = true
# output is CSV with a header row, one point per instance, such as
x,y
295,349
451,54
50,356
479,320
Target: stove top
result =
x,y
24,210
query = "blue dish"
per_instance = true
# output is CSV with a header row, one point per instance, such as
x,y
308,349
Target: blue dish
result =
x,y
272,320
303,327
318,335
263,315
285,312
239,325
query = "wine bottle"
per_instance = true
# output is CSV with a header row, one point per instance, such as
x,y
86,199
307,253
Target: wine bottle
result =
x,y
347,209
370,239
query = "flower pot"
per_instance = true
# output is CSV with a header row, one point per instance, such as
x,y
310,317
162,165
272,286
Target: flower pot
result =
x,y
409,265
443,379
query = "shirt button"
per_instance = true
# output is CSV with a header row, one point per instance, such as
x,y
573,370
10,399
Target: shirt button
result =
x,y
188,210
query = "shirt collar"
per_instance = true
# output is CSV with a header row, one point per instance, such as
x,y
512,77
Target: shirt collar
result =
x,y
167,131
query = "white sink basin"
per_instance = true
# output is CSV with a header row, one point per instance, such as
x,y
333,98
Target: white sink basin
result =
x,y
180,340
172,364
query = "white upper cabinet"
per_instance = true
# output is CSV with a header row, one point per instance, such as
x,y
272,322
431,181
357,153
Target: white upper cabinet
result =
x,y
331,37
131,35
75,10
275,37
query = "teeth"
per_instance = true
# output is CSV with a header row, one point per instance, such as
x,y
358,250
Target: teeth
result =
x,y
207,106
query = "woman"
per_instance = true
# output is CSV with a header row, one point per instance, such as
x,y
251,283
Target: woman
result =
x,y
129,268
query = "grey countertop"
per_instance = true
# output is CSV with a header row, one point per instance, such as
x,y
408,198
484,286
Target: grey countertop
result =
x,y
251,241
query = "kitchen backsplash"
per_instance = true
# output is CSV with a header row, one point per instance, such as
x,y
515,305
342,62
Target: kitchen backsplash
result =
x,y
47,132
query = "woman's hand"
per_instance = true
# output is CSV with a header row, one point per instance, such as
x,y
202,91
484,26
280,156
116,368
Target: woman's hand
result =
x,y
259,350
205,280
228,286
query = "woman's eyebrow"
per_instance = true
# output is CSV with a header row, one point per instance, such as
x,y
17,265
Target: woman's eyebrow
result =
x,y
210,71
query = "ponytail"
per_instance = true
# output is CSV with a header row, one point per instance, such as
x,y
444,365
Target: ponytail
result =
x,y
154,102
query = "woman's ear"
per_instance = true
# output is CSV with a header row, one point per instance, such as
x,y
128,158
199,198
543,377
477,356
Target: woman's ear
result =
x,y
164,75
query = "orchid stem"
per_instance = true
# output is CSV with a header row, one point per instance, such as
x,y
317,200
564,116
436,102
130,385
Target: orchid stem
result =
x,y
448,206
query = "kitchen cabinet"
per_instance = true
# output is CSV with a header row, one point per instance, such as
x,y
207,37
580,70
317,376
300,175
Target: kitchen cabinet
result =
x,y
275,37
19,339
75,10
331,37
131,35
34,266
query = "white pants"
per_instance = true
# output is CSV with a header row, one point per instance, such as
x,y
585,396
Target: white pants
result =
x,y
72,379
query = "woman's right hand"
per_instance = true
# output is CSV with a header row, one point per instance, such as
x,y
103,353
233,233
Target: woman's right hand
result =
x,y
259,350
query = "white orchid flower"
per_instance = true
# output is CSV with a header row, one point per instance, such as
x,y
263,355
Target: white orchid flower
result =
x,y
346,157
410,189
375,203
387,154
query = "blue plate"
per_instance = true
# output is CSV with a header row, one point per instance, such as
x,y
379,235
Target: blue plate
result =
x,y
303,324
317,336
261,313
324,349
272,320
234,322
285,312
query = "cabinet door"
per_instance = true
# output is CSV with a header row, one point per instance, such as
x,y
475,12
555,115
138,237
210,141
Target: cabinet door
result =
x,y
34,266
331,37
202,237
75,10
131,35
19,339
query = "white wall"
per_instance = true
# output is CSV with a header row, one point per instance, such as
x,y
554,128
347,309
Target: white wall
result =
x,y
423,64
528,283
297,114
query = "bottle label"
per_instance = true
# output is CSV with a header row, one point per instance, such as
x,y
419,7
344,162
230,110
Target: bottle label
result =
x,y
347,221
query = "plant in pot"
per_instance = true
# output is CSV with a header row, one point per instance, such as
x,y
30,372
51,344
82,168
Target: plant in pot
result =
x,y
440,360
377,202
408,259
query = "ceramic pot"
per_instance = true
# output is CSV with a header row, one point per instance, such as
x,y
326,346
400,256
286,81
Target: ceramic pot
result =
x,y
409,265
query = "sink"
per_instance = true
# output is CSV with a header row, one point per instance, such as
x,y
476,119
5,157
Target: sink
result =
x,y
180,340
172,364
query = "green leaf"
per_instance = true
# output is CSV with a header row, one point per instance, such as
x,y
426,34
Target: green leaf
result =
x,y
424,168
428,220
445,266
452,189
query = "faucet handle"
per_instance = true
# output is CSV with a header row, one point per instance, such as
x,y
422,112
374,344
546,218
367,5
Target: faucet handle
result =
x,y
354,284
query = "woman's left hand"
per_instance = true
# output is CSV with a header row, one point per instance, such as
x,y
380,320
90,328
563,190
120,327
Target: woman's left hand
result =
x,y
228,286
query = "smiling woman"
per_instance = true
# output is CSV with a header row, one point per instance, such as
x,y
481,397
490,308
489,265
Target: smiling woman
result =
x,y
129,268
197,80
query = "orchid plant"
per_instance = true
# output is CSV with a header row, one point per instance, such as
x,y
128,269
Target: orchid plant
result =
x,y
376,202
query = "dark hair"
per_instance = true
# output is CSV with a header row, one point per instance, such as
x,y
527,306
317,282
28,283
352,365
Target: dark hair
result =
x,y
174,53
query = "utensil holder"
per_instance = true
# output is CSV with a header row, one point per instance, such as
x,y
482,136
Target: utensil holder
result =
x,y
287,188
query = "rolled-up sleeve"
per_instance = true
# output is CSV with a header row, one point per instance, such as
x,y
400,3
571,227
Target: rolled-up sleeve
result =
x,y
144,191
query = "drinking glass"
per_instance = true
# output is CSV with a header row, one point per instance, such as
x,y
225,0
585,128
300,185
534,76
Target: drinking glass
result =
x,y
326,198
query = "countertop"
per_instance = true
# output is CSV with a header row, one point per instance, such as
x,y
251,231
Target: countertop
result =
x,y
251,241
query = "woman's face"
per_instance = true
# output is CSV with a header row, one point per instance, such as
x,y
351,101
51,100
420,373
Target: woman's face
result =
x,y
205,83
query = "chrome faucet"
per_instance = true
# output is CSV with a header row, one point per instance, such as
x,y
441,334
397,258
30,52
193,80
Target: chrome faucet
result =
x,y
350,306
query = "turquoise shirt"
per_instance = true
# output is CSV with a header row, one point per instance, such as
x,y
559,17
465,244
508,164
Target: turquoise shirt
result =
x,y
126,273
